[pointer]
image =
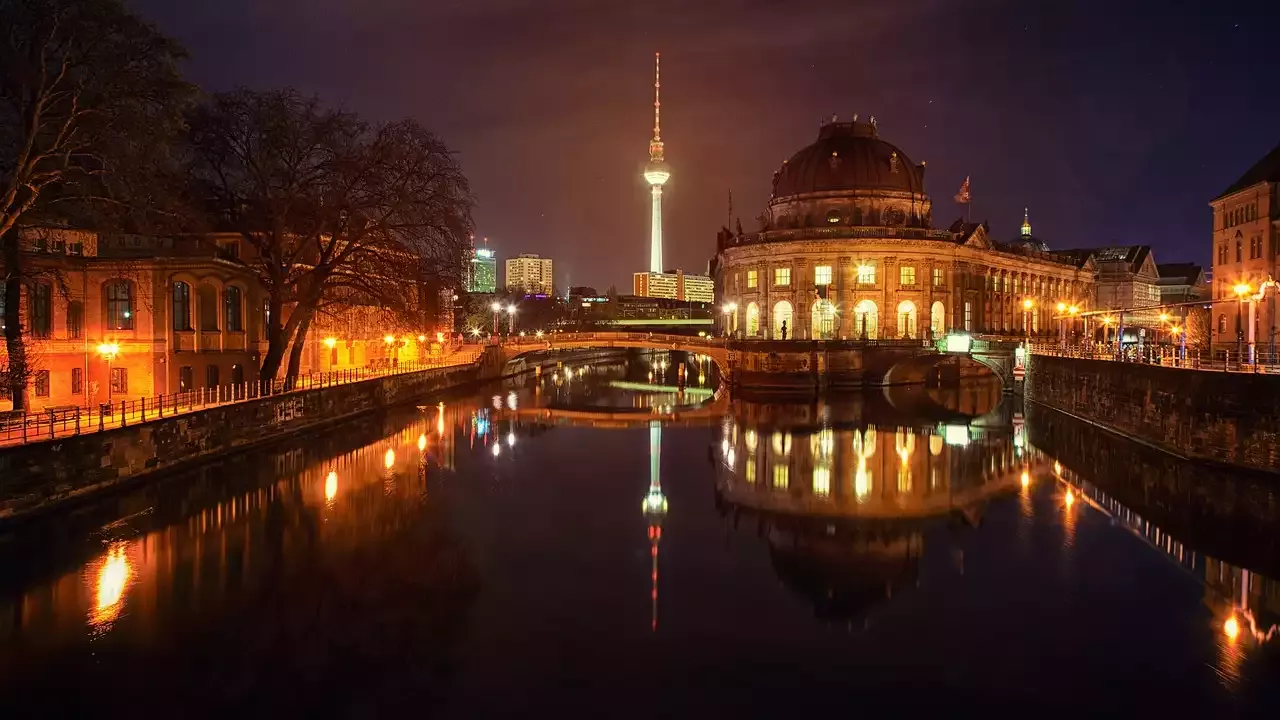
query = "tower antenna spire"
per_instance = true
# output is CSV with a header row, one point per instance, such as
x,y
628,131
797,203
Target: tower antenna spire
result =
x,y
655,146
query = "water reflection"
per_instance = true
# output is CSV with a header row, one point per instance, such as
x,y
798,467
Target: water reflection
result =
x,y
842,502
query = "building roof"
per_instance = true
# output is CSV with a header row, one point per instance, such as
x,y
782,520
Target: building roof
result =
x,y
1265,170
848,156
1132,255
1172,273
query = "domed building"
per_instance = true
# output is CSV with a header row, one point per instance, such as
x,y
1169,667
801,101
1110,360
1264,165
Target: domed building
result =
x,y
847,250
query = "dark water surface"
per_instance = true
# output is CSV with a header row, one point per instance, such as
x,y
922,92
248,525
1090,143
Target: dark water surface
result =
x,y
545,548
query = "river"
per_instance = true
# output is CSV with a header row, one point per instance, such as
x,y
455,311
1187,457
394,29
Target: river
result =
x,y
548,546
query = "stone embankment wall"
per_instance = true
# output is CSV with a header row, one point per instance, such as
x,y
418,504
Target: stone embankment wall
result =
x,y
1232,418
41,475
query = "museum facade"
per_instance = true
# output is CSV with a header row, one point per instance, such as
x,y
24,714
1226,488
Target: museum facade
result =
x,y
847,250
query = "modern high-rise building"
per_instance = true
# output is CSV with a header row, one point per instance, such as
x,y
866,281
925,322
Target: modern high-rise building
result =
x,y
530,273
675,285
482,271
656,173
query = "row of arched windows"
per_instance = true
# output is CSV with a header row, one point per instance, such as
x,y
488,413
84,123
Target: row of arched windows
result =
x,y
824,322
1242,214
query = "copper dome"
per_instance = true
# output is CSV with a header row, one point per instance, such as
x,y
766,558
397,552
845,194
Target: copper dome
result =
x,y
848,156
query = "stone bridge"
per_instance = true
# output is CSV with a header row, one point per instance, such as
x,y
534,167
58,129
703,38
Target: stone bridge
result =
x,y
796,364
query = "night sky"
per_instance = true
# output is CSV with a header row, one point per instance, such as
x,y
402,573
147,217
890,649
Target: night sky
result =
x,y
1116,122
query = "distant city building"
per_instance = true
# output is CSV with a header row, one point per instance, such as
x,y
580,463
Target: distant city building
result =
x,y
676,286
1127,276
482,271
1246,248
530,273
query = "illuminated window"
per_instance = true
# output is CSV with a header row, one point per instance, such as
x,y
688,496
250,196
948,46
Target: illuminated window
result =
x,y
968,317
937,277
867,274
782,276
234,308
822,275
41,299
751,471
906,275
753,279
181,306
77,380
119,380
781,476
821,481
75,319
42,383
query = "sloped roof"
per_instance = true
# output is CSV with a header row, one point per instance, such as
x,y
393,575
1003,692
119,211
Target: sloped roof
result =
x,y
1265,170
1190,272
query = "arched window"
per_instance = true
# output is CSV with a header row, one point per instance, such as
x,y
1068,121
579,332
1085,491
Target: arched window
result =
x,y
782,313
118,295
753,320
181,306
235,308
906,319
208,298
823,319
866,320
938,319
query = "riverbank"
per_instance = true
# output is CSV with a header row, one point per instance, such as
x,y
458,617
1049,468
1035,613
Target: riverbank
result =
x,y
40,476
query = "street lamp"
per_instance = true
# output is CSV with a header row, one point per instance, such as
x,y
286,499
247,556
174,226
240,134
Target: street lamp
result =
x,y
1027,305
511,322
108,351
729,309
1242,290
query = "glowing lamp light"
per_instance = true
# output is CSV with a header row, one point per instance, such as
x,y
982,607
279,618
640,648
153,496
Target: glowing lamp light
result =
x,y
538,334
1028,304
511,439
1242,289
1108,320
389,459
1073,310
511,309
1026,479
475,332
439,337
1231,628
1164,317
422,338
496,307
1062,307
109,350
1070,499
1175,330
388,339
113,580
422,442
330,342
497,449
330,485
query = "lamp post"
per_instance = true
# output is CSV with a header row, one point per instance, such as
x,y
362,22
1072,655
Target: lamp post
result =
x,y
729,309
1062,324
1027,305
511,319
390,341
496,308
108,351
1244,290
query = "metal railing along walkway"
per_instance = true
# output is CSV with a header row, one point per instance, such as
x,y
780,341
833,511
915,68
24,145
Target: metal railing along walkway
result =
x,y
53,423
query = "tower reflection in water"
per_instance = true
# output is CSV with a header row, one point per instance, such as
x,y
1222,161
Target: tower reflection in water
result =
x,y
842,505
655,509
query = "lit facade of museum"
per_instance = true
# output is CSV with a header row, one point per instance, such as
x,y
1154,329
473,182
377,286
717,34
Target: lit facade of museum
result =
x,y
848,250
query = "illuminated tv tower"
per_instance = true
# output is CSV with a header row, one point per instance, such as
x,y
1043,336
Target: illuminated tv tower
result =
x,y
656,173
655,509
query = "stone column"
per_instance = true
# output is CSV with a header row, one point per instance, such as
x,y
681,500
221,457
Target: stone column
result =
x,y
888,319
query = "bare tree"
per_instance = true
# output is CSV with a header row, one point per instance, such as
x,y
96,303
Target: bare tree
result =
x,y
88,95
337,212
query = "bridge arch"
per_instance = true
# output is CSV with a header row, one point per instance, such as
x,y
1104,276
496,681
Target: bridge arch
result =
x,y
916,369
714,348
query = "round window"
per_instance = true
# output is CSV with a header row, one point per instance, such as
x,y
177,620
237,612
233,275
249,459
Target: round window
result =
x,y
833,217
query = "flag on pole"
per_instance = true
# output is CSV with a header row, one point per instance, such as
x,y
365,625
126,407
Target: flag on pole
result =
x,y
963,196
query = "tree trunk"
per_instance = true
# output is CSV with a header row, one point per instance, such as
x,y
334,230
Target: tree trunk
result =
x,y
295,354
277,342
15,379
